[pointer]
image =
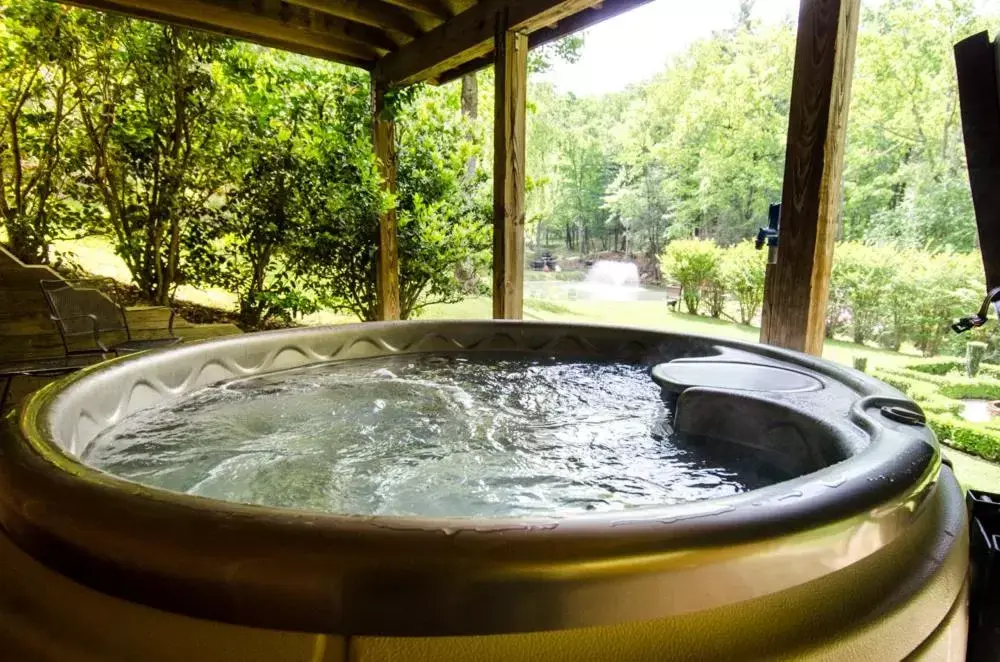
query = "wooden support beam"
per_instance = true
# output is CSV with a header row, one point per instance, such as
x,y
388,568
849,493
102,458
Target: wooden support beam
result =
x,y
470,35
374,14
797,287
268,23
430,7
384,139
508,170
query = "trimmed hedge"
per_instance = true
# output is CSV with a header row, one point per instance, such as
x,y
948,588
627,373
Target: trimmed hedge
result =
x,y
939,367
955,386
937,387
946,366
966,436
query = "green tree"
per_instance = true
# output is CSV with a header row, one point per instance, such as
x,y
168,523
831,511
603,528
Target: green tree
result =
x,y
39,148
442,232
905,178
155,120
243,244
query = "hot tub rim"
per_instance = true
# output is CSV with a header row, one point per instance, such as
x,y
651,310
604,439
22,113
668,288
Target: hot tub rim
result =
x,y
710,522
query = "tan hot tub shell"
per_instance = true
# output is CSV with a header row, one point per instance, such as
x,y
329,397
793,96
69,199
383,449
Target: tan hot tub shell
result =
x,y
863,559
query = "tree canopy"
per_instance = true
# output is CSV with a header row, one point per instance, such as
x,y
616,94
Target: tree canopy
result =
x,y
699,149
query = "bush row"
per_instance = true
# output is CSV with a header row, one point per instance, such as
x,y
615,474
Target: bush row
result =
x,y
950,365
890,296
953,385
966,436
939,392
880,294
709,275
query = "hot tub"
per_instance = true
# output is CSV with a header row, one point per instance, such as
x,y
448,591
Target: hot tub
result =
x,y
860,553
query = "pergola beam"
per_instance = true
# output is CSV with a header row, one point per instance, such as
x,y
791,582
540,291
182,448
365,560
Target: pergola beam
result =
x,y
265,22
432,8
384,139
508,170
367,12
470,35
567,26
797,287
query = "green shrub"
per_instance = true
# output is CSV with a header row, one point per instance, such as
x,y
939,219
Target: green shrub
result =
x,y
864,277
715,294
861,363
692,264
974,353
940,367
938,395
743,268
958,387
946,286
966,436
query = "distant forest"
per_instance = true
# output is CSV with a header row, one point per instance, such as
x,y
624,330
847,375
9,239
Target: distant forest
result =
x,y
699,149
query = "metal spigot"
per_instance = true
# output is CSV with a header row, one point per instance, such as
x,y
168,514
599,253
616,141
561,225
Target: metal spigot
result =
x,y
769,235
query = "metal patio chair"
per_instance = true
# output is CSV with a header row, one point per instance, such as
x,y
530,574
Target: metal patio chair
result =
x,y
91,322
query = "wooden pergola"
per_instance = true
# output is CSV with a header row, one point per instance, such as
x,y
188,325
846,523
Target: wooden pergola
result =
x,y
409,41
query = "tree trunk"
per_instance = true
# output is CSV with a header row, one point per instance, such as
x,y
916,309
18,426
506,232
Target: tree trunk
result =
x,y
470,110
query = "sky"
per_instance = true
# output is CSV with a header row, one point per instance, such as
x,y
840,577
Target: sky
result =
x,y
634,46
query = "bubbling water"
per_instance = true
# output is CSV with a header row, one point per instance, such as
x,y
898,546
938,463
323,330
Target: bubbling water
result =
x,y
433,436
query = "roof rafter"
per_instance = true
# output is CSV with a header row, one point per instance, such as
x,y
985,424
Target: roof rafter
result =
x,y
469,35
268,22
374,14
430,7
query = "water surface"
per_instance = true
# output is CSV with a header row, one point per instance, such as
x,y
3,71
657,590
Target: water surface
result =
x,y
425,435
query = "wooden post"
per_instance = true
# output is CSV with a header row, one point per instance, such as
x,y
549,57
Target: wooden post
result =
x,y
384,138
508,171
797,287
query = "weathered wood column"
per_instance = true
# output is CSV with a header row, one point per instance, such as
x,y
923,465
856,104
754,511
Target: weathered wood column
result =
x,y
511,51
384,139
797,287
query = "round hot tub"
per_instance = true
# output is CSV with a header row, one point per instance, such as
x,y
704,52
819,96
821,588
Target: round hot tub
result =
x,y
476,491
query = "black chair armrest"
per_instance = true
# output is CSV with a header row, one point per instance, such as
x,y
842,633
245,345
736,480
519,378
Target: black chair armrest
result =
x,y
94,329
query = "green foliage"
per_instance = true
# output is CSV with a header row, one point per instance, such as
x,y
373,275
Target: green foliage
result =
x,y
974,353
742,274
963,435
940,367
860,363
243,244
443,226
896,295
939,396
223,164
905,178
924,393
862,277
154,114
39,132
699,150
954,385
693,264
